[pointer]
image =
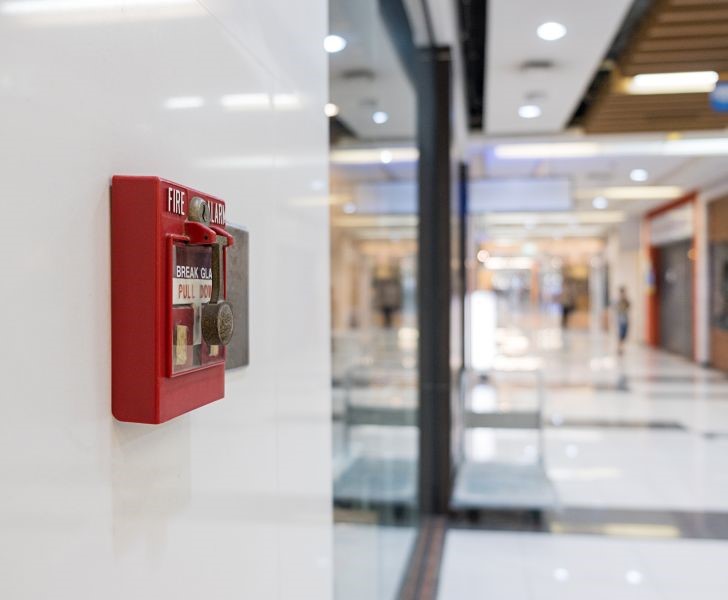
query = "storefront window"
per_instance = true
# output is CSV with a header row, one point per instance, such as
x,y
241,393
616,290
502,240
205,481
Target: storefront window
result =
x,y
719,287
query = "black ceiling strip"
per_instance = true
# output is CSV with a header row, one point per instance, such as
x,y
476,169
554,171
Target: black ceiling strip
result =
x,y
473,21
338,131
394,17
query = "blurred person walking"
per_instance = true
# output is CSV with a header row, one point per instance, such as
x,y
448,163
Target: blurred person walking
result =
x,y
568,304
623,306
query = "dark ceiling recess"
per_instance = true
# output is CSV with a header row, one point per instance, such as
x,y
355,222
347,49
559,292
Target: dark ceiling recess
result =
x,y
395,19
339,131
473,15
634,18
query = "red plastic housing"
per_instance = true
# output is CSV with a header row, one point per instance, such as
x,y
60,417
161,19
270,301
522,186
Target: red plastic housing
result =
x,y
158,372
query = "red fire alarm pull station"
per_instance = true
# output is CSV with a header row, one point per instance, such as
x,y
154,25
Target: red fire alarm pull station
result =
x,y
170,320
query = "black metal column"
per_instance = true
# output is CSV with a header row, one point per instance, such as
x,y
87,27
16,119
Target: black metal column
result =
x,y
463,257
434,289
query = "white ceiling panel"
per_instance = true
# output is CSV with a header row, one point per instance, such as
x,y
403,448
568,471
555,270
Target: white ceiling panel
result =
x,y
367,75
512,41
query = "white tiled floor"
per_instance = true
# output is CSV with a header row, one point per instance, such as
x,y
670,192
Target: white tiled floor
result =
x,y
642,469
598,456
522,566
370,560
610,460
622,433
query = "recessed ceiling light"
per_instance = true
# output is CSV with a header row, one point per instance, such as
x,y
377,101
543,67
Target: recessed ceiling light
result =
x,y
708,146
632,192
334,44
639,175
380,117
551,31
555,218
385,156
690,82
349,208
331,109
600,203
634,577
529,111
371,156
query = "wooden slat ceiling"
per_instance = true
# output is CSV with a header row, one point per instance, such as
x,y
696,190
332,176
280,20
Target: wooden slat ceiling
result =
x,y
675,36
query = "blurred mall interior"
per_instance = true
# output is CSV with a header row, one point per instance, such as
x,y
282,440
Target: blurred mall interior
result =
x,y
588,153
462,322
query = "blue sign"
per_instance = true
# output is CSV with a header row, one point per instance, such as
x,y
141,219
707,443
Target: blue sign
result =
x,y
719,97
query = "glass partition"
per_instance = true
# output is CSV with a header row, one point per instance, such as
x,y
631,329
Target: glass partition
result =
x,y
374,305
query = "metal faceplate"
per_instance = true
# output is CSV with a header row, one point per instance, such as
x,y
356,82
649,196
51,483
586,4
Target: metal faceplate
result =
x,y
238,349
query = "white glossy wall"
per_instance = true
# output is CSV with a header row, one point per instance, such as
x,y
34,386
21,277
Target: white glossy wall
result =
x,y
232,500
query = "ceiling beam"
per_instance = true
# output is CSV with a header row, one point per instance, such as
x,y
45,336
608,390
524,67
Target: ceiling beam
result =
x,y
668,31
680,55
693,16
684,43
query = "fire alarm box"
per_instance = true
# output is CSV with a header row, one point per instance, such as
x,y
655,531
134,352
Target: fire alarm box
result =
x,y
170,318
